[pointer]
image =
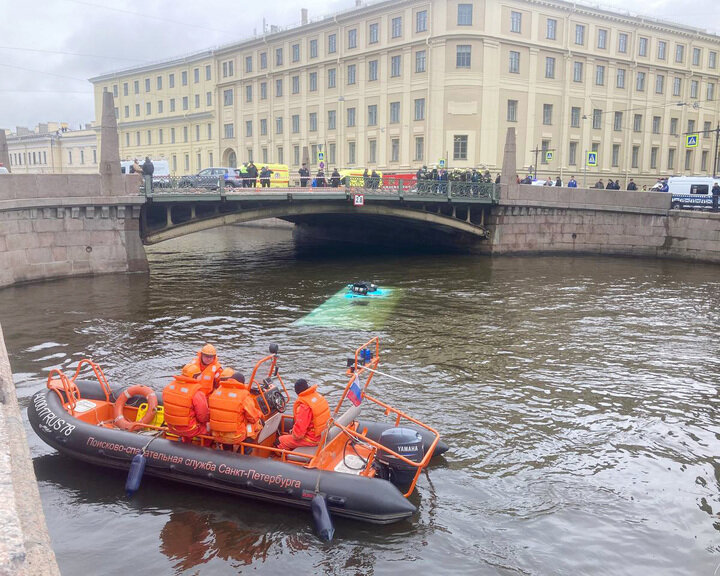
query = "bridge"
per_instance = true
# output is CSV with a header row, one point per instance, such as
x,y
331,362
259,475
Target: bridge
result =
x,y
457,208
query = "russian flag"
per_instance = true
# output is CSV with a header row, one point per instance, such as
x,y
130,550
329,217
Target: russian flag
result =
x,y
355,392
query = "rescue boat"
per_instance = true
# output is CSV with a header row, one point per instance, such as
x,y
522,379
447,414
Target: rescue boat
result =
x,y
362,469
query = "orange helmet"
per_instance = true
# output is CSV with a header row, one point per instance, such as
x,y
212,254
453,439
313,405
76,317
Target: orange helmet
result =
x,y
191,370
227,373
209,349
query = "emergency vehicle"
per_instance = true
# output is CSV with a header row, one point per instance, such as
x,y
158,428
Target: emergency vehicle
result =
x,y
691,191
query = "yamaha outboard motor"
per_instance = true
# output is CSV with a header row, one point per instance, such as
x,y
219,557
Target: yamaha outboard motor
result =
x,y
407,443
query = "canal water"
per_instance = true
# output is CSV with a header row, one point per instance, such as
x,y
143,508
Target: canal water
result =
x,y
579,397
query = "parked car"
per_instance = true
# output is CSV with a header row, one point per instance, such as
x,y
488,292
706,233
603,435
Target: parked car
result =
x,y
4,170
212,178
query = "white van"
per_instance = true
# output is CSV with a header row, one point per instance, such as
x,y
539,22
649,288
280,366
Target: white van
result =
x,y
691,191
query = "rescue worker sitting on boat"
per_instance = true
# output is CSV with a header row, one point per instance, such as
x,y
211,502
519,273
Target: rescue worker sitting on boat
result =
x,y
310,417
234,414
205,367
186,405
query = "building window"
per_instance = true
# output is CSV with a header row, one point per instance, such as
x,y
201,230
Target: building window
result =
x,y
514,62
373,33
420,59
248,64
196,75
617,123
615,155
395,150
159,106
659,84
332,119
600,75
464,16
575,117
263,126
147,84
125,87
313,82
580,34
372,115
351,152
577,71
691,126
296,52
679,53
656,124
420,109
703,161
551,29
331,77
463,56
228,97
712,60
677,86
395,66
621,78
148,108
460,147
229,130
602,39
313,121
209,134
372,154
397,27
263,60
208,98
351,74
512,106
421,21
313,48
352,38
127,111
197,132
279,125
597,119
688,159
671,159
278,56
662,48
331,153
278,87
653,157
185,133
263,90
549,67
711,91
197,100
394,112
547,114
295,123
622,43
696,56
158,82
640,82
208,72
248,128
545,146
694,88
515,22
673,126
184,77
637,123
372,70
419,148
642,46
572,156
295,85
248,93
351,117
136,86
332,44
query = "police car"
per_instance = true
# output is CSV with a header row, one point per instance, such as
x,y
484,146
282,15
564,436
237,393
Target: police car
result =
x,y
691,192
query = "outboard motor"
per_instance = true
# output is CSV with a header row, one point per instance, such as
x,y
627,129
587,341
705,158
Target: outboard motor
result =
x,y
407,443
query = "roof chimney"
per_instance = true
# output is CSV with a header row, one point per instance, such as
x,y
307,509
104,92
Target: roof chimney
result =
x,y
303,16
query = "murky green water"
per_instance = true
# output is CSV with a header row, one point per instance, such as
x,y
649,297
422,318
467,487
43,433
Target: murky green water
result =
x,y
579,397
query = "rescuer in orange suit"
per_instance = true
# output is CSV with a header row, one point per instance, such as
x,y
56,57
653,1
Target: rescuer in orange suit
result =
x,y
310,417
234,414
185,399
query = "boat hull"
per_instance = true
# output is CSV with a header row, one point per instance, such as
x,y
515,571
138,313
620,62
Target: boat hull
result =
x,y
361,498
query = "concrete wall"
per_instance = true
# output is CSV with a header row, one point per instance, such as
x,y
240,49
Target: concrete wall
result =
x,y
25,544
53,226
573,220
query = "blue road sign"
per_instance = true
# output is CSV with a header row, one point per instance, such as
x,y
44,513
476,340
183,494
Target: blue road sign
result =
x,y
691,141
592,159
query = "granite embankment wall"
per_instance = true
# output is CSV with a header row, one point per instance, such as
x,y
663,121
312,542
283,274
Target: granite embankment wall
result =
x,y
533,219
25,548
65,225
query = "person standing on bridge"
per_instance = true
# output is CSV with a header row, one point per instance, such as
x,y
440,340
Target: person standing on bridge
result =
x,y
148,169
304,175
572,183
715,196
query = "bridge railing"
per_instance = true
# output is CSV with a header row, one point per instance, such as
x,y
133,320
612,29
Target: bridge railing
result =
x,y
402,187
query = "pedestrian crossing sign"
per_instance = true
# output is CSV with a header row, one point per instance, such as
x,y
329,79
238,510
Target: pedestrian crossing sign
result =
x,y
691,141
549,155
592,158
441,163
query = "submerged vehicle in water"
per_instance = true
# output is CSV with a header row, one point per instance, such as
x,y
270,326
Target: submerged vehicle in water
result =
x,y
364,470
365,289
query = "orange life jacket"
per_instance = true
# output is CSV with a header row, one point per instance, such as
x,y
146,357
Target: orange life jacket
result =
x,y
177,401
233,412
208,375
320,410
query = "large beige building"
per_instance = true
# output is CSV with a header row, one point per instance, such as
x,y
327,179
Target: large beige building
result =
x,y
53,148
402,83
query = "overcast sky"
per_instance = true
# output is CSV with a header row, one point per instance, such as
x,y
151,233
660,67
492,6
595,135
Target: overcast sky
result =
x,y
49,48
